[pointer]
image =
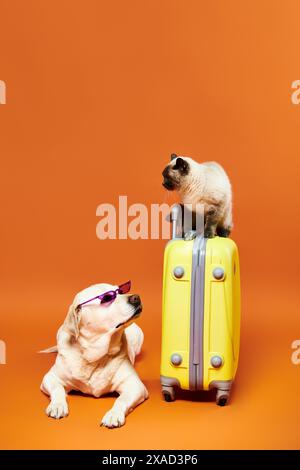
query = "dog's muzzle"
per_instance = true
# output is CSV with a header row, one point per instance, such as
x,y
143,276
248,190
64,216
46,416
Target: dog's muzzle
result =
x,y
135,301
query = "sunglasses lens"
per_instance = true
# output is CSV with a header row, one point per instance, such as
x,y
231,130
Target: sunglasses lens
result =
x,y
108,297
124,288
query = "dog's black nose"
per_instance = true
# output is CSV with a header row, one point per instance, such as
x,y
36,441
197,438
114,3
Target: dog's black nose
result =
x,y
134,299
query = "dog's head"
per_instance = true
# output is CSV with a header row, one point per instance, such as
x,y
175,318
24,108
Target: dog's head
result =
x,y
176,172
102,317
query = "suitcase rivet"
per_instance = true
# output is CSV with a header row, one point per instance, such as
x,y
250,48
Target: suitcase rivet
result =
x,y
219,273
216,361
178,272
176,359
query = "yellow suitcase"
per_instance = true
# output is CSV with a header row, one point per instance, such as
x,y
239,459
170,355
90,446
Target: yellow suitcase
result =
x,y
201,315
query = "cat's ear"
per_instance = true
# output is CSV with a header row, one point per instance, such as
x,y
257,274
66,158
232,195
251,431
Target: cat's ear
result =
x,y
173,156
181,165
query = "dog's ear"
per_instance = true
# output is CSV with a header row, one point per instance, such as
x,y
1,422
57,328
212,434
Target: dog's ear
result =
x,y
173,156
73,319
131,352
134,338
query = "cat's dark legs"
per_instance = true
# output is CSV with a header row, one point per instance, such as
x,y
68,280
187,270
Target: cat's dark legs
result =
x,y
211,222
223,231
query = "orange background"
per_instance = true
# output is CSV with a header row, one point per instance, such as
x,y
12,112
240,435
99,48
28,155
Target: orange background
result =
x,y
99,93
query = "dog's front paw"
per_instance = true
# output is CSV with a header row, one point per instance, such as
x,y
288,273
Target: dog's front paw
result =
x,y
113,419
57,409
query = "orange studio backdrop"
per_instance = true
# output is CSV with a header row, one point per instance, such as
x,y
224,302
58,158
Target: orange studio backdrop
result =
x,y
97,96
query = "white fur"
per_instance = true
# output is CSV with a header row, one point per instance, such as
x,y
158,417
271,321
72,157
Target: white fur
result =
x,y
207,184
95,357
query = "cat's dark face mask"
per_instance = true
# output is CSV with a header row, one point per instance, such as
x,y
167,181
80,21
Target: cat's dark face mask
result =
x,y
174,172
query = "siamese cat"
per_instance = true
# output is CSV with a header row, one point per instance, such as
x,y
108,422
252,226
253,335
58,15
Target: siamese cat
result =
x,y
206,184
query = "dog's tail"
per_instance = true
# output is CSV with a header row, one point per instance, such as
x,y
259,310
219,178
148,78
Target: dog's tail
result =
x,y
53,349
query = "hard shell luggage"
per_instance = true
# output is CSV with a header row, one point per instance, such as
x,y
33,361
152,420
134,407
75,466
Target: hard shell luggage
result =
x,y
201,314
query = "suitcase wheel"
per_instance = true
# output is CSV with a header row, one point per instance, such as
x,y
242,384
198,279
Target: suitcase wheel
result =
x,y
222,402
168,393
222,397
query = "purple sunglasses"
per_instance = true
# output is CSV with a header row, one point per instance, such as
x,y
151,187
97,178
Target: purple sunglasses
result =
x,y
110,295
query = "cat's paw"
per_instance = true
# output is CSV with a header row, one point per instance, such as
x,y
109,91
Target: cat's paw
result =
x,y
223,232
190,235
208,233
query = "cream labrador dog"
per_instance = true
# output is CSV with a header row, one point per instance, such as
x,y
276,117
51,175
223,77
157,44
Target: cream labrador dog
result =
x,y
97,345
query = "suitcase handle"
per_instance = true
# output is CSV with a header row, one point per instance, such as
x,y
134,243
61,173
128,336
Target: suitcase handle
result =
x,y
176,220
